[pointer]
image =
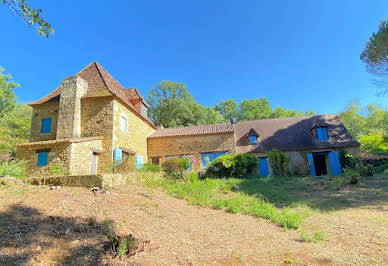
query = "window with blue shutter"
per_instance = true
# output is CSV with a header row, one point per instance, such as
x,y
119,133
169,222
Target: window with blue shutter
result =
x,y
123,124
335,163
263,167
210,156
322,133
252,140
42,159
117,156
311,164
139,161
46,125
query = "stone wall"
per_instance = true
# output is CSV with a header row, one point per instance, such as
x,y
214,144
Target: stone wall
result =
x,y
97,120
299,163
69,117
135,138
81,156
190,145
39,112
58,151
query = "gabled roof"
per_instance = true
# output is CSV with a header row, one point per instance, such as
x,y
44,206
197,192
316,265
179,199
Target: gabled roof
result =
x,y
287,134
100,82
193,130
293,133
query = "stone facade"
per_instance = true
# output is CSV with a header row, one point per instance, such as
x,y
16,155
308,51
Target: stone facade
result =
x,y
137,130
57,151
81,156
39,112
97,120
190,145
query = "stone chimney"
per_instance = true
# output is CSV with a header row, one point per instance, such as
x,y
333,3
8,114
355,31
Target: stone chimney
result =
x,y
69,116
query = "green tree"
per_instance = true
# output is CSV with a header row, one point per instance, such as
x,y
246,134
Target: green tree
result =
x,y
172,105
255,109
7,96
18,121
228,109
375,55
30,15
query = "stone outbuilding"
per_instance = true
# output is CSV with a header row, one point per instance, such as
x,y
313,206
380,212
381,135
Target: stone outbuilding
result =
x,y
91,123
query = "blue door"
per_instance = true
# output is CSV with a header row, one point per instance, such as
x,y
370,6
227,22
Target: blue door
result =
x,y
211,156
311,164
139,161
335,163
263,166
42,159
117,156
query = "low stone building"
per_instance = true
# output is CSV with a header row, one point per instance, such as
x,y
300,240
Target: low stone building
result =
x,y
90,124
312,142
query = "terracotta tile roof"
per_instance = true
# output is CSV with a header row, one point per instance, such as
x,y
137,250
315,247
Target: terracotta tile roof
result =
x,y
193,130
55,141
293,133
99,80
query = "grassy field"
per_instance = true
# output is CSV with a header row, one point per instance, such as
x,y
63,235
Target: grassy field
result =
x,y
205,222
284,200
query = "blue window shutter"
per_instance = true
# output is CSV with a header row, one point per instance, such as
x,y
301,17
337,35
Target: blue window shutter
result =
x,y
263,167
335,163
42,159
252,140
311,163
46,125
117,155
322,133
139,161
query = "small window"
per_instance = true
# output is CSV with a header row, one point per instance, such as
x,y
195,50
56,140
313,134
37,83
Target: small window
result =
x,y
322,133
42,158
252,140
46,125
123,124
155,160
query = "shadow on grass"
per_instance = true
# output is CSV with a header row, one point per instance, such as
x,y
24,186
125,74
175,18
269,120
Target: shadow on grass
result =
x,y
317,193
26,235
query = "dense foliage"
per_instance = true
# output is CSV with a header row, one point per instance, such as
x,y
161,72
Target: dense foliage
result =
x,y
171,105
233,166
279,162
369,127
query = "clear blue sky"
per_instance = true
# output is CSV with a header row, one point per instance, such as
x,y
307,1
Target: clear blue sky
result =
x,y
298,54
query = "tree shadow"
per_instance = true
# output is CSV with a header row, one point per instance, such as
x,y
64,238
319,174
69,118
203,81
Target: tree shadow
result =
x,y
26,235
318,193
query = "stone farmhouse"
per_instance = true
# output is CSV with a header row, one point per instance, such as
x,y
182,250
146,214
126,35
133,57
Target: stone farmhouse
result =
x,y
90,122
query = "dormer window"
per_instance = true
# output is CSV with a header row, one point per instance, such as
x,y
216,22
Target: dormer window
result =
x,y
252,140
322,133
252,137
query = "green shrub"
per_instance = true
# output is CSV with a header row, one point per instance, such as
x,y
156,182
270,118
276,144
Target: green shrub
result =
x,y
149,167
352,175
354,162
279,162
17,169
176,168
314,238
241,165
57,169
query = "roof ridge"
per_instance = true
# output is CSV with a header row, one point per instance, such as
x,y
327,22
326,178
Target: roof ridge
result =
x,y
225,123
102,77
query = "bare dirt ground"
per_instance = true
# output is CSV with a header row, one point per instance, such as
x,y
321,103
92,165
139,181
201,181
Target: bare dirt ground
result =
x,y
46,227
